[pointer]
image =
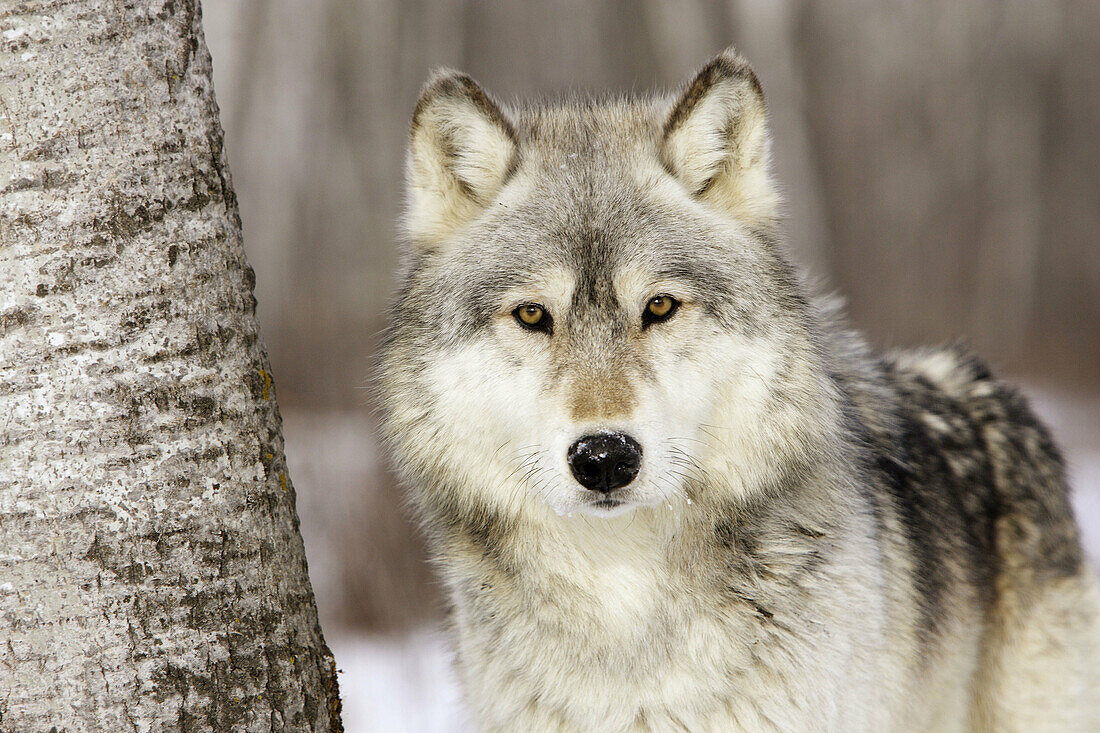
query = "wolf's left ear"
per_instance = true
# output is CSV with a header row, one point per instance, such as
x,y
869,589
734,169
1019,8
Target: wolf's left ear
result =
x,y
462,150
716,141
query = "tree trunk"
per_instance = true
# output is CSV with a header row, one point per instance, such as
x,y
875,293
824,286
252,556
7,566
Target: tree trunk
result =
x,y
151,572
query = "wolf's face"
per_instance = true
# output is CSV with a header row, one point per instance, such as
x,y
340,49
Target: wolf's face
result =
x,y
594,317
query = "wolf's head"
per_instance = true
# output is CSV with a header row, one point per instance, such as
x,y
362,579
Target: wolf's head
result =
x,y
594,315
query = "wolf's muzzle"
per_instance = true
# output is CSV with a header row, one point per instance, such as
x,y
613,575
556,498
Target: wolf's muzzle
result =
x,y
605,462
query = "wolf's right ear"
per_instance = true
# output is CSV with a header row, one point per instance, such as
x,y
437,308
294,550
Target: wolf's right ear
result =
x,y
462,150
715,141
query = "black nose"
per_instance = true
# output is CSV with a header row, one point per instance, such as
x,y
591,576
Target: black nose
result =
x,y
605,462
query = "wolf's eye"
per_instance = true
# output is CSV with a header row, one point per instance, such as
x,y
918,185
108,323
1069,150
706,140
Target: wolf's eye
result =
x,y
659,308
534,317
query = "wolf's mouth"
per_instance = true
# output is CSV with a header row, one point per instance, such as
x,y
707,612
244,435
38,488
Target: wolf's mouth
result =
x,y
607,503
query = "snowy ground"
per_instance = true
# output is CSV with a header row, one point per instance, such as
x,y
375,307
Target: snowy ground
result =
x,y
397,685
404,684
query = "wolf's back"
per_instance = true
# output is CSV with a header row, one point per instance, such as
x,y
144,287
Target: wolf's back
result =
x,y
979,488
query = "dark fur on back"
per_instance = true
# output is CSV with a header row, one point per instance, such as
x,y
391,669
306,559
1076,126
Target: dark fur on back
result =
x,y
975,480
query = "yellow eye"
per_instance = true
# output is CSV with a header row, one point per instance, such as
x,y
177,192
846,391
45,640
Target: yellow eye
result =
x,y
533,316
530,314
661,306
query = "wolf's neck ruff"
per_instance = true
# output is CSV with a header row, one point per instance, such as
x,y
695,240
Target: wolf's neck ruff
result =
x,y
665,487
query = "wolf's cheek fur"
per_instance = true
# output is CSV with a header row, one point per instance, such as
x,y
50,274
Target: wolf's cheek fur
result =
x,y
717,408
487,420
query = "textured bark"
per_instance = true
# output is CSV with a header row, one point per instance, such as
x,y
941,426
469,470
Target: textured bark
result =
x,y
151,572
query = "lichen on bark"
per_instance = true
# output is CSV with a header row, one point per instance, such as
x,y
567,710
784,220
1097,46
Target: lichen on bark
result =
x,y
151,572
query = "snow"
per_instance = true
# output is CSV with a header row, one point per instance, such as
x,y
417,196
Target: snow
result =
x,y
1085,478
397,685
1074,419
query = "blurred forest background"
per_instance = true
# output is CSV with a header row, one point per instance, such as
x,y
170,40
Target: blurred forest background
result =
x,y
941,162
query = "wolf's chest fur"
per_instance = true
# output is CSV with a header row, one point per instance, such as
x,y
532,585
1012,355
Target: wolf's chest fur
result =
x,y
627,626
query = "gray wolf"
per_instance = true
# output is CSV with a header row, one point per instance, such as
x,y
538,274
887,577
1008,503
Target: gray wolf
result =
x,y
666,487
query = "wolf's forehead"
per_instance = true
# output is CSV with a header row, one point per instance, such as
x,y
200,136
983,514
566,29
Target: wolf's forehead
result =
x,y
592,258
600,129
600,229
586,229
580,193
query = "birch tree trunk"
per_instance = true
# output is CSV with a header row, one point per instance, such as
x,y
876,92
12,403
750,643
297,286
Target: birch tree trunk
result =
x,y
151,572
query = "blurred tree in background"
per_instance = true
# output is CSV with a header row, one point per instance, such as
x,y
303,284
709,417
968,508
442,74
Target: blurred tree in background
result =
x,y
941,161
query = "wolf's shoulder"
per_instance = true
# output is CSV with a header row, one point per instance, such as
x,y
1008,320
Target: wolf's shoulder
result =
x,y
968,439
960,407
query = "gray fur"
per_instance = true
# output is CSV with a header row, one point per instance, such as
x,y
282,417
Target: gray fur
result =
x,y
893,548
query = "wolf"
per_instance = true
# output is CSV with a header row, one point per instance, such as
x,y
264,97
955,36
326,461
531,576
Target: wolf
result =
x,y
665,485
